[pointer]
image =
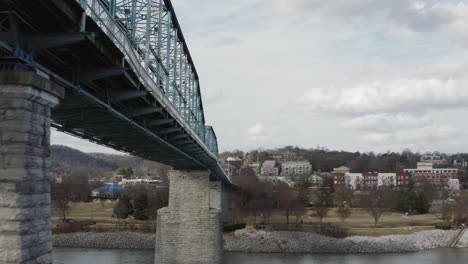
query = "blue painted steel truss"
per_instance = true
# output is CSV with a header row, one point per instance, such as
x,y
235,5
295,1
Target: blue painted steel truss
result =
x,y
152,29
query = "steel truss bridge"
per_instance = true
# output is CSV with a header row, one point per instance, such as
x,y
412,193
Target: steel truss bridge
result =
x,y
131,83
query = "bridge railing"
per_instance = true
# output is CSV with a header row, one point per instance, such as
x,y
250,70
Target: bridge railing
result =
x,y
148,34
211,140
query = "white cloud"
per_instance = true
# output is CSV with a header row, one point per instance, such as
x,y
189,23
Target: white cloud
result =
x,y
387,122
401,95
409,17
256,133
427,135
256,129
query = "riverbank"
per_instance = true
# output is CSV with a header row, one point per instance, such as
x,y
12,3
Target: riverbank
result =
x,y
276,242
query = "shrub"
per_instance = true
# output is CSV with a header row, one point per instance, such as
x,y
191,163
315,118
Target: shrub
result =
x,y
443,226
234,227
333,231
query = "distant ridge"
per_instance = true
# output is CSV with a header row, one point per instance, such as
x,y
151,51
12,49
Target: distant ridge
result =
x,y
65,159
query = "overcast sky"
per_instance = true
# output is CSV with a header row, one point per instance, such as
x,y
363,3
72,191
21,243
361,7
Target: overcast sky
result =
x,y
357,75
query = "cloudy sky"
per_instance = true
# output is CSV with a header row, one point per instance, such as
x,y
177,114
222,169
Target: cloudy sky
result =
x,y
367,75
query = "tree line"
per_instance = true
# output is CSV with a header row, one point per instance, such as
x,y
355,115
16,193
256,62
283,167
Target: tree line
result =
x,y
258,200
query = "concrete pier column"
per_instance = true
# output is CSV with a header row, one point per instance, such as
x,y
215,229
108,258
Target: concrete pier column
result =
x,y
215,195
189,230
25,102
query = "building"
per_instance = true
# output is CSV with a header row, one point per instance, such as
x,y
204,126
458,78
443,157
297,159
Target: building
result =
x,y
293,168
367,180
403,179
270,168
338,176
132,182
111,191
387,180
370,179
316,180
353,181
338,179
232,166
433,159
425,172
342,169
277,179
460,163
453,185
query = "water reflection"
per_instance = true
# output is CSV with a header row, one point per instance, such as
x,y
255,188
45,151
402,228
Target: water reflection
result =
x,y
79,256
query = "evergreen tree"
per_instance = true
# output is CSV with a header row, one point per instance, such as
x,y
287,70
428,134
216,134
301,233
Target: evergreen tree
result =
x,y
141,206
126,172
124,207
422,205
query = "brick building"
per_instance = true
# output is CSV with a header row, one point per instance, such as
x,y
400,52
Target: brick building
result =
x,y
425,172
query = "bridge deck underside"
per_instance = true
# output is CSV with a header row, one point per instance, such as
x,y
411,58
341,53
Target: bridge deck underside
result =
x,y
105,102
79,116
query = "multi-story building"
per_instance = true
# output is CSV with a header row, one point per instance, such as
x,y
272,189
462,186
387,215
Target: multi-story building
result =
x,y
338,179
338,176
270,168
292,168
403,179
453,185
387,180
353,181
370,179
232,166
316,180
425,172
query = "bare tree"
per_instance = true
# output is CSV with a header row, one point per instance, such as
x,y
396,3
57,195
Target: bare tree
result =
x,y
428,189
461,209
344,211
298,211
343,195
323,204
377,202
321,211
444,209
60,196
286,199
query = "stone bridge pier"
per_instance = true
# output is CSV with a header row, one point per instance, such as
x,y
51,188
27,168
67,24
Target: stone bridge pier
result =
x,y
189,230
25,103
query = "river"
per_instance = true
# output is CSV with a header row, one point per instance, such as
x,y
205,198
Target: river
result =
x,y
106,256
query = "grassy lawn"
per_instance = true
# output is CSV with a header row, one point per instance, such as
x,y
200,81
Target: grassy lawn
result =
x,y
361,219
362,224
359,223
86,211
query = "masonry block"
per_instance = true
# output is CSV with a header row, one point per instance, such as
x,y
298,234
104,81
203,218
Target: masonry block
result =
x,y
25,216
189,230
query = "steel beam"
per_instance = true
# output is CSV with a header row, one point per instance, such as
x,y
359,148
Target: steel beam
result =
x,y
127,95
52,40
145,111
101,73
159,122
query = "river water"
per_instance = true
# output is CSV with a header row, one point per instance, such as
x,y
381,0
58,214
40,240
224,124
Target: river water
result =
x,y
106,256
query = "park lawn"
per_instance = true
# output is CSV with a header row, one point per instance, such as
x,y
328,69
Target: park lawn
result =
x,y
361,219
87,211
359,223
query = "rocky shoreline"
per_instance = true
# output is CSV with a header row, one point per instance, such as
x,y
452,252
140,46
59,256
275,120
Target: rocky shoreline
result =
x,y
276,242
